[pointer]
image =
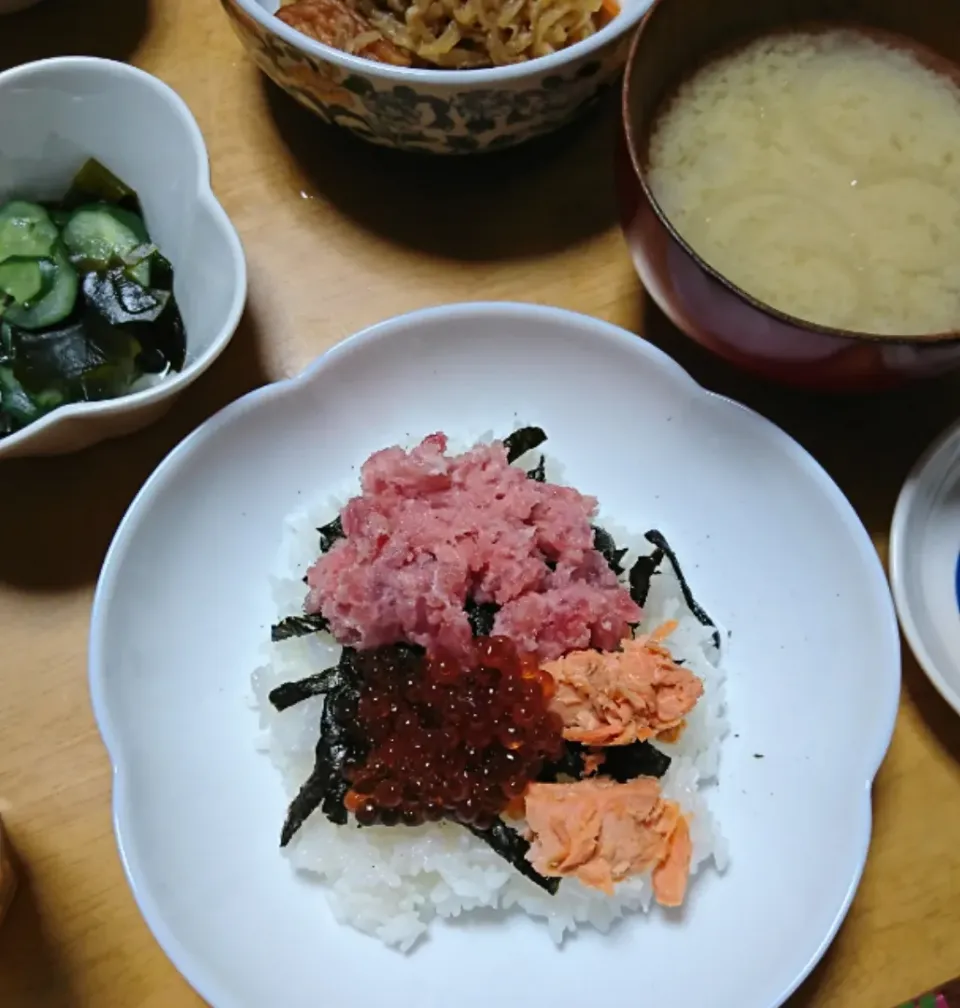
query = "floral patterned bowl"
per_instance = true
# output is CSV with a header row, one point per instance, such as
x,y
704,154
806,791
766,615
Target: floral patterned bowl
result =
x,y
699,300
437,111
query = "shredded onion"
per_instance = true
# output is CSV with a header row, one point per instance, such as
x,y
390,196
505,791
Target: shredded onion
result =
x,y
455,34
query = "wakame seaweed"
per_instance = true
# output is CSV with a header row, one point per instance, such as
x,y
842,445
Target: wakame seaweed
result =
x,y
512,847
330,533
298,626
523,440
95,183
481,616
539,471
604,543
289,693
149,316
658,540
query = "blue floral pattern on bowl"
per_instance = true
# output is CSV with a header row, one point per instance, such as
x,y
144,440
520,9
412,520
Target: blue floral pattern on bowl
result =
x,y
426,117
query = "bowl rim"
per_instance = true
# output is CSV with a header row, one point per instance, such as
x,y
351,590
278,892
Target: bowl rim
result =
x,y
931,464
632,142
467,79
204,195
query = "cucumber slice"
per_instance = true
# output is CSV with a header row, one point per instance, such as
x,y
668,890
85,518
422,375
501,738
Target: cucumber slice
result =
x,y
103,234
21,279
138,265
55,305
125,217
25,230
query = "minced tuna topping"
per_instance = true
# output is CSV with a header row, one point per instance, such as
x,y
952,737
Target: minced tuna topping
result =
x,y
430,531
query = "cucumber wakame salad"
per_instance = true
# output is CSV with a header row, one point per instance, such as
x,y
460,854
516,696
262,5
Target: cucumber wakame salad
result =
x,y
86,300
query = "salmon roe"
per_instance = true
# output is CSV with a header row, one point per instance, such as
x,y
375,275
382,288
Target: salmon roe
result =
x,y
448,738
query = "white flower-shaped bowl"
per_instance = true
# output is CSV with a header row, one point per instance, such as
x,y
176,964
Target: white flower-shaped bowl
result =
x,y
776,555
56,113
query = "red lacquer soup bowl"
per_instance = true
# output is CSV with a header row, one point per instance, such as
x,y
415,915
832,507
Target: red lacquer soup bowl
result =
x,y
677,37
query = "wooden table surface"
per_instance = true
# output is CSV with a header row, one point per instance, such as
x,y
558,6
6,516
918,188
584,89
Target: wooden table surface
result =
x,y
339,235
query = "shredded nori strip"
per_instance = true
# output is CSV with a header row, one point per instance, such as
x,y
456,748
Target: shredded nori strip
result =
x,y
298,626
289,693
513,849
347,668
341,706
310,795
641,573
622,763
481,616
333,807
349,684
570,764
330,533
325,785
604,543
539,471
658,540
639,759
523,440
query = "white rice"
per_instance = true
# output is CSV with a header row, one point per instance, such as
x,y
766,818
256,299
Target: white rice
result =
x,y
391,882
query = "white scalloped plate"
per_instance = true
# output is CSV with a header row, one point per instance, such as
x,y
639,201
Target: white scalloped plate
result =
x,y
772,548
